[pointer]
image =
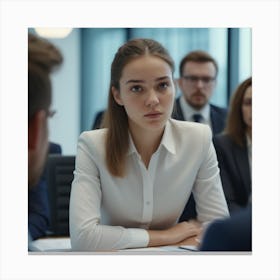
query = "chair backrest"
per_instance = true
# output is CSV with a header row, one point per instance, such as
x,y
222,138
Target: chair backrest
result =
x,y
59,179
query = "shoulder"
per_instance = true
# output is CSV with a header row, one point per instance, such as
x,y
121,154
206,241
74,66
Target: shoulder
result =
x,y
231,234
54,148
189,126
222,140
190,131
93,139
218,110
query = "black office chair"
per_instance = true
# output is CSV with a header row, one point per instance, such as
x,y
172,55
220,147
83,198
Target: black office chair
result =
x,y
59,179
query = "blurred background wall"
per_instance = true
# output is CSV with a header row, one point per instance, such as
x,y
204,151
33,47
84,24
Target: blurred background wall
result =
x,y
80,87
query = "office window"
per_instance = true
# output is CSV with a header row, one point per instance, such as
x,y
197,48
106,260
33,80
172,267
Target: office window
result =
x,y
98,46
88,54
245,53
180,41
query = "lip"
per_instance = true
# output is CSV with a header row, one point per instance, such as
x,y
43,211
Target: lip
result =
x,y
153,115
199,95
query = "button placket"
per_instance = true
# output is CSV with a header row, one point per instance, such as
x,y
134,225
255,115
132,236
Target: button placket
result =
x,y
147,213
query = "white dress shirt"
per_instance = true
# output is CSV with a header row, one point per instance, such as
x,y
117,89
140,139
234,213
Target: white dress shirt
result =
x,y
108,212
188,111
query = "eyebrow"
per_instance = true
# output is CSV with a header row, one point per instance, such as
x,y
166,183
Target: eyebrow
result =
x,y
142,81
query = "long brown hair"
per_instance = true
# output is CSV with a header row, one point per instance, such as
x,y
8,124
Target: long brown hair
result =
x,y
115,118
235,126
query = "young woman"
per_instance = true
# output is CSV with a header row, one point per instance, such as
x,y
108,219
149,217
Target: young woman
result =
x,y
234,148
134,177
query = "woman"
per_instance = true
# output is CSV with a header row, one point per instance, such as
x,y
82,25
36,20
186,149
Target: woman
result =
x,y
234,148
133,178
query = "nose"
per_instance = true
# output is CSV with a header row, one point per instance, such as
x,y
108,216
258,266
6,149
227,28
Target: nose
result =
x,y
152,99
200,83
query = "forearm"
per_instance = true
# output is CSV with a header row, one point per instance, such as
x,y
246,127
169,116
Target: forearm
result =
x,y
174,234
159,238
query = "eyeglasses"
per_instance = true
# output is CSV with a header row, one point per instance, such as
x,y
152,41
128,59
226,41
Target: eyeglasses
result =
x,y
193,80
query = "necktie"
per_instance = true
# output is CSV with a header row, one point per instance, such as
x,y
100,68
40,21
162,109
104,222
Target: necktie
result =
x,y
197,117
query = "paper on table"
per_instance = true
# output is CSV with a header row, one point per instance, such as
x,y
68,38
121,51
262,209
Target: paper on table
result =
x,y
163,249
52,244
151,249
189,248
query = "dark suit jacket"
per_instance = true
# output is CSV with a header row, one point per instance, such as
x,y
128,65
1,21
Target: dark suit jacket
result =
x,y
234,170
38,203
218,118
231,234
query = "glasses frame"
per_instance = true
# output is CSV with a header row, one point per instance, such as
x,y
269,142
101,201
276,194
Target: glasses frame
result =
x,y
192,79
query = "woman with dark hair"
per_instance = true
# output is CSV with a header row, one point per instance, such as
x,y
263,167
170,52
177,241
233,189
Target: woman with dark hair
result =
x,y
234,148
133,177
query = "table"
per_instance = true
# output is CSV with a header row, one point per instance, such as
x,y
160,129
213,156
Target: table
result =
x,y
63,245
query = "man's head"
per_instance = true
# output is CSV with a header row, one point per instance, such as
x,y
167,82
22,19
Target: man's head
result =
x,y
43,57
198,73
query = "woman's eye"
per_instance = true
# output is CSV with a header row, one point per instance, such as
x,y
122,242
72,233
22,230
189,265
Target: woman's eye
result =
x,y
136,89
163,85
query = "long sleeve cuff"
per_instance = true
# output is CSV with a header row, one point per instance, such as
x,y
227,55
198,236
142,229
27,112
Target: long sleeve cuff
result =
x,y
134,238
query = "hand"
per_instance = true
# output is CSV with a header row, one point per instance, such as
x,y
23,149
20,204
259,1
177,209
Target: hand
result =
x,y
182,231
174,235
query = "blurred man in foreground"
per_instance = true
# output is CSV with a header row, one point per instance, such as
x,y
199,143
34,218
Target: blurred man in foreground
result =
x,y
43,58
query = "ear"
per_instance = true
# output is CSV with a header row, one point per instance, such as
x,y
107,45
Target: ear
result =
x,y
35,129
117,96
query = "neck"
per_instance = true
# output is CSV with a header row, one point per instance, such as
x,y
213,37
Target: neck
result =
x,y
146,143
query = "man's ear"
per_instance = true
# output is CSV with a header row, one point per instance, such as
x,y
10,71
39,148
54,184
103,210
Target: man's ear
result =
x,y
117,96
35,129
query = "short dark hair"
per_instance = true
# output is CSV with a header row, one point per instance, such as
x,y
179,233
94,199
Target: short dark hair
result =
x,y
43,57
199,57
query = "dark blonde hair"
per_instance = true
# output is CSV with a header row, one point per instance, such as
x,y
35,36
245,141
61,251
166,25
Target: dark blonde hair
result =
x,y
115,118
235,126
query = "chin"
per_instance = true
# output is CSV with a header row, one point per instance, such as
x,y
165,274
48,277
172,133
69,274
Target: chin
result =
x,y
198,104
156,125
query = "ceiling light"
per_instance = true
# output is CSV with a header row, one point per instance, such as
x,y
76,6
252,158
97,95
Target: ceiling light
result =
x,y
53,32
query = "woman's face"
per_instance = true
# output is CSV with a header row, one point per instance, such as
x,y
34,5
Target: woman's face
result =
x,y
247,107
147,92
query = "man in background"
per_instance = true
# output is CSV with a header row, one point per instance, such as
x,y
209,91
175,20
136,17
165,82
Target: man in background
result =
x,y
43,57
198,77
197,82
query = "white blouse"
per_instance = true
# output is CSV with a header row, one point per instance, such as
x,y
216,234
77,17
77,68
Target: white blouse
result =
x,y
108,213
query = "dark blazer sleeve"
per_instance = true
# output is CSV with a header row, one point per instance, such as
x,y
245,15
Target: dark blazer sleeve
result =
x,y
38,203
231,234
218,118
98,119
234,171
38,210
55,148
